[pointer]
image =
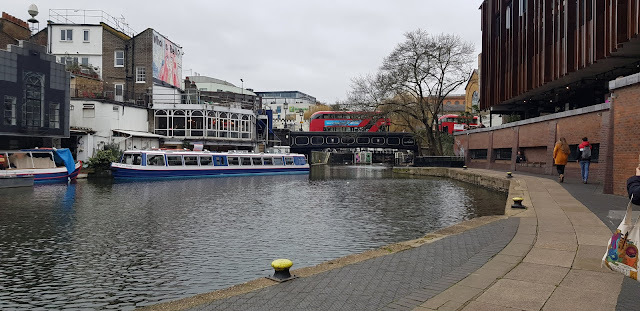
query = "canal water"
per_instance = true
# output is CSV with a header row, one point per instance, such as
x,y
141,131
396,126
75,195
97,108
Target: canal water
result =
x,y
97,244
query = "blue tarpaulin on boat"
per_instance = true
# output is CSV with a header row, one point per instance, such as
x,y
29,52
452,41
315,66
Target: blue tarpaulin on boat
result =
x,y
60,155
65,155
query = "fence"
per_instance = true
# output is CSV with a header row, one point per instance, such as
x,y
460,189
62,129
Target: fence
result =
x,y
439,161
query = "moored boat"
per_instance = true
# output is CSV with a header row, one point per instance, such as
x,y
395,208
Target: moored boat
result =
x,y
152,164
45,165
15,181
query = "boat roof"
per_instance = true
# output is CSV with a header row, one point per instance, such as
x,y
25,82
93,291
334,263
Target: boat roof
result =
x,y
43,150
191,152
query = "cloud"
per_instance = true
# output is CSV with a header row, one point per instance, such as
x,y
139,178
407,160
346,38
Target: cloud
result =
x,y
315,47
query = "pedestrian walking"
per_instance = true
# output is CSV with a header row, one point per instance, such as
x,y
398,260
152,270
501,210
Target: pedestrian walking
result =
x,y
561,156
584,159
633,187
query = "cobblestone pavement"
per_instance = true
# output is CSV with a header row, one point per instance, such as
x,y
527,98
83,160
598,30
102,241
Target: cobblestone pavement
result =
x,y
398,281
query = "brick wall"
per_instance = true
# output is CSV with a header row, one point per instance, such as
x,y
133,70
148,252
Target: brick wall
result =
x,y
534,135
11,27
86,87
41,38
626,136
504,138
110,73
5,40
536,139
140,54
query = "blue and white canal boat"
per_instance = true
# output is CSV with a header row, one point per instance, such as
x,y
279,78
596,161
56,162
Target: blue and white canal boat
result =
x,y
44,165
152,164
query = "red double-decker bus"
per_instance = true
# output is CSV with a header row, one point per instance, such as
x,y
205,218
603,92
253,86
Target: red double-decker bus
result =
x,y
451,123
348,121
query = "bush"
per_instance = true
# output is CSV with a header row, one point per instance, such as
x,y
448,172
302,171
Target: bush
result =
x,y
447,141
103,158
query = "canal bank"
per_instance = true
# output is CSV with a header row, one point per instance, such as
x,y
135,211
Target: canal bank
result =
x,y
545,256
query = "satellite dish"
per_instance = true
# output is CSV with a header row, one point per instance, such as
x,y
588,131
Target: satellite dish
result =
x,y
33,10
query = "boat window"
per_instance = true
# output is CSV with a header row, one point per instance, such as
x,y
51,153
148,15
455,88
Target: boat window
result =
x,y
256,160
267,160
174,160
20,160
220,161
300,160
191,160
43,160
155,159
246,161
206,161
278,161
288,160
132,159
233,160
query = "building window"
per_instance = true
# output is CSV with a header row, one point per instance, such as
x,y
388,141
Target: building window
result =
x,y
69,61
140,74
457,102
507,16
9,110
478,154
54,115
84,61
575,153
88,111
33,95
119,92
523,7
118,59
66,34
502,153
85,34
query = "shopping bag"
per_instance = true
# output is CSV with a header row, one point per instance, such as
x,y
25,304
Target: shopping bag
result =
x,y
622,251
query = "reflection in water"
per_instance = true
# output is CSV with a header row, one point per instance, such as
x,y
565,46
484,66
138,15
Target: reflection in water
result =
x,y
100,245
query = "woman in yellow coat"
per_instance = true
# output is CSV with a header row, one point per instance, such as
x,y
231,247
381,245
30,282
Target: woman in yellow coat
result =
x,y
561,156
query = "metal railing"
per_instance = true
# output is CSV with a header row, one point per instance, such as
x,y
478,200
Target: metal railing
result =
x,y
439,161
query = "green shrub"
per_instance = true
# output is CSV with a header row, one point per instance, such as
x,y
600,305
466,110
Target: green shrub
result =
x,y
103,158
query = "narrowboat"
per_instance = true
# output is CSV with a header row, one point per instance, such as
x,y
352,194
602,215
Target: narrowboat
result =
x,y
45,165
153,164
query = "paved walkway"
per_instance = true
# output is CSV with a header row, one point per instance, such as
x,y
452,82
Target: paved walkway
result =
x,y
546,257
562,270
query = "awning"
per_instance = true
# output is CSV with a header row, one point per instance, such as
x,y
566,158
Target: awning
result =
x,y
81,130
139,134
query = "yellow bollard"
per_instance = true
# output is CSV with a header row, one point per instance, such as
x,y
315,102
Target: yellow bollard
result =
x,y
281,267
517,203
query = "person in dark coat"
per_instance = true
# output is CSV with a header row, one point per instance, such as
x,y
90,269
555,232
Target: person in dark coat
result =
x,y
633,187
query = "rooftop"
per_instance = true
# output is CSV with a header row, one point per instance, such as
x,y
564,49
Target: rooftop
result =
x,y
78,16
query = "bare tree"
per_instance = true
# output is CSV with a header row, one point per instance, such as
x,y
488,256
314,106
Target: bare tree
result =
x,y
414,80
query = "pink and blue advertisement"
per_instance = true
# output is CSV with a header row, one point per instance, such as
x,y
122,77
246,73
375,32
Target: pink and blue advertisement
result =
x,y
167,60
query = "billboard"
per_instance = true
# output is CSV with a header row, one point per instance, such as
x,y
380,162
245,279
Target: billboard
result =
x,y
167,61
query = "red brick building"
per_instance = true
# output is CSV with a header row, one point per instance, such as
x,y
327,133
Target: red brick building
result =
x,y
569,69
541,57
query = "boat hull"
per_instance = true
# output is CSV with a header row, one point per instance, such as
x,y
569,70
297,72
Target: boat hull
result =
x,y
122,172
51,175
16,181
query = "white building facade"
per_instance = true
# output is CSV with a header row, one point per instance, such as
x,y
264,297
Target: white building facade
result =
x,y
213,126
98,122
77,44
288,108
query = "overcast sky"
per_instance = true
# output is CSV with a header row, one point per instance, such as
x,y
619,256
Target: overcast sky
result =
x,y
315,47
